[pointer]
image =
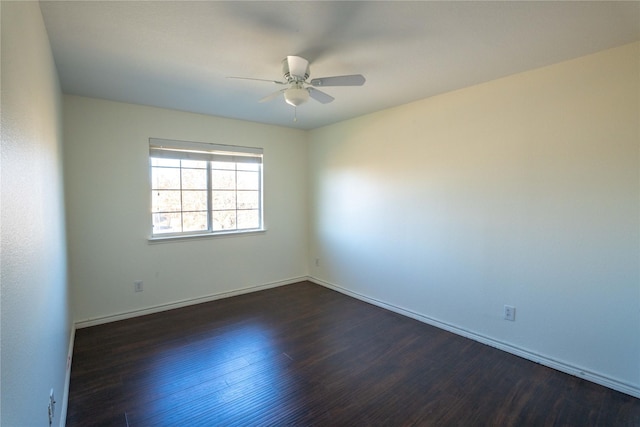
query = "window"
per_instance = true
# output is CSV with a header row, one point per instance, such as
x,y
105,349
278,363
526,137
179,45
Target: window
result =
x,y
199,188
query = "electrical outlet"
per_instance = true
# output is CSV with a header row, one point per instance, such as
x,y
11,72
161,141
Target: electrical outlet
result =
x,y
317,262
137,286
509,313
51,409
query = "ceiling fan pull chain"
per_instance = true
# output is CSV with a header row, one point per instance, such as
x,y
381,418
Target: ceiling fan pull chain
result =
x,y
295,114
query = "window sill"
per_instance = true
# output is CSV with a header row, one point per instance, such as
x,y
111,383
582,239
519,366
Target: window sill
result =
x,y
166,239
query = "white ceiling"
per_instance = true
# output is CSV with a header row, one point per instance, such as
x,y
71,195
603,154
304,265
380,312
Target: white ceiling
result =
x,y
177,54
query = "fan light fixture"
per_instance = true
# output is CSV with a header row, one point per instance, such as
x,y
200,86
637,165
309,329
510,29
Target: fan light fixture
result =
x,y
296,96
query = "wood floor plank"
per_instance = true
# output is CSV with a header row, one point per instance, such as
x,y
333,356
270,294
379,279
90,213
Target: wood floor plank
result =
x,y
303,355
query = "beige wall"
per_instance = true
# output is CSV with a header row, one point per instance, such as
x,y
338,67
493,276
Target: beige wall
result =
x,y
36,318
108,204
521,191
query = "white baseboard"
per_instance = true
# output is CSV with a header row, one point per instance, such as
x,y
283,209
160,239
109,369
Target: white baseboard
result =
x,y
509,348
67,380
183,303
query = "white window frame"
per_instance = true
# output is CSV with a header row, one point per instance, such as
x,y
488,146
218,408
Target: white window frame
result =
x,y
199,151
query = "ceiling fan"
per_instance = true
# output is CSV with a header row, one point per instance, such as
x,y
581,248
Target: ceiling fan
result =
x,y
295,71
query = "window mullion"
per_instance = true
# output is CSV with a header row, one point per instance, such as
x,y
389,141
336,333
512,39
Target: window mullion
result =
x,y
236,191
209,198
181,201
260,200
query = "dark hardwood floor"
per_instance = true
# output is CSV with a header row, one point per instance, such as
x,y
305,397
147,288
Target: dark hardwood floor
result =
x,y
304,355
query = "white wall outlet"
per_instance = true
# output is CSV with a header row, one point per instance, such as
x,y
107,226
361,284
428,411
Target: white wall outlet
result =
x,y
509,313
137,286
317,262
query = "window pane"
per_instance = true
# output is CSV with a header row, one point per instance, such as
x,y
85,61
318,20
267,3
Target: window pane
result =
x,y
249,166
165,178
159,161
165,201
223,200
194,200
248,180
166,223
248,200
223,165
194,221
194,179
223,220
194,164
223,180
248,219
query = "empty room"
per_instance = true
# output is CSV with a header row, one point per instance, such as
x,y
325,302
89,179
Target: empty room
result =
x,y
344,213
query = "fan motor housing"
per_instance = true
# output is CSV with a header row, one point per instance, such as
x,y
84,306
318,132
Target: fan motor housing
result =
x,y
291,78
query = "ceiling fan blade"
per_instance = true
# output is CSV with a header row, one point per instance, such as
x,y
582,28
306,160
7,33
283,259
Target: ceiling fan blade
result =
x,y
320,96
272,96
350,80
259,80
298,67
